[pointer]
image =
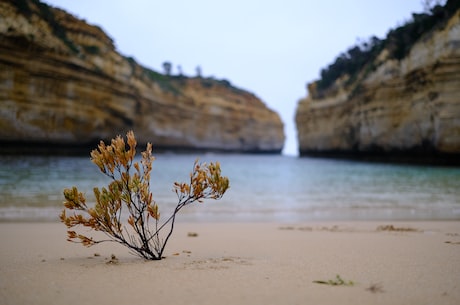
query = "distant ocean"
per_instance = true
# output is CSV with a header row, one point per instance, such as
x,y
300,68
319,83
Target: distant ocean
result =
x,y
262,188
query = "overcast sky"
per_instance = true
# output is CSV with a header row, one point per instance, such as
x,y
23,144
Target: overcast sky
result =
x,y
271,48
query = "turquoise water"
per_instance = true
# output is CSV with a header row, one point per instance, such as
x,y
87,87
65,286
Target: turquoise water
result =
x,y
263,188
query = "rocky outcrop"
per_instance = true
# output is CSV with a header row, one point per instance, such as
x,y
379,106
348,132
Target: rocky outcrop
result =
x,y
63,83
408,107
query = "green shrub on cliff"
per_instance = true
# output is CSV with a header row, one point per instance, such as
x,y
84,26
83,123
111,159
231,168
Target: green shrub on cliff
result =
x,y
128,196
93,50
351,62
47,14
399,41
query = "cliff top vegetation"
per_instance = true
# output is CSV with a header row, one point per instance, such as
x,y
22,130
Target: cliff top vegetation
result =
x,y
398,42
167,81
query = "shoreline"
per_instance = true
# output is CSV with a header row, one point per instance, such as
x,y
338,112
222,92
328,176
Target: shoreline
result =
x,y
389,262
53,148
396,157
196,215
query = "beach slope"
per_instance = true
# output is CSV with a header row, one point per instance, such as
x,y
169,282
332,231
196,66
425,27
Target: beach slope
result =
x,y
239,263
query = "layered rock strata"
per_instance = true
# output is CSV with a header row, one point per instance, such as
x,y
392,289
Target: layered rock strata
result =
x,y
407,108
62,83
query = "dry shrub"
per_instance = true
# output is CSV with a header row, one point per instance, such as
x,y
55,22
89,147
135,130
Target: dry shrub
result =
x,y
129,194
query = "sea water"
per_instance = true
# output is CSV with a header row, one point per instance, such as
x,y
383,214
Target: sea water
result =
x,y
262,188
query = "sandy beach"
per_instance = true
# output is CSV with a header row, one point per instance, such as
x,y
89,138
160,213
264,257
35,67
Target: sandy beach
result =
x,y
239,263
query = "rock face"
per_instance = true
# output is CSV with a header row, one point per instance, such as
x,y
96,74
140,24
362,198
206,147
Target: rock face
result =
x,y
409,107
63,83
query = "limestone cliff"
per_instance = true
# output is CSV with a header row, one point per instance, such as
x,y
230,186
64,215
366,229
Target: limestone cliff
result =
x,y
408,107
62,82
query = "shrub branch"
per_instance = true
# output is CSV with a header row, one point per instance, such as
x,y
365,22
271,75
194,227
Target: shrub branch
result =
x,y
129,192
